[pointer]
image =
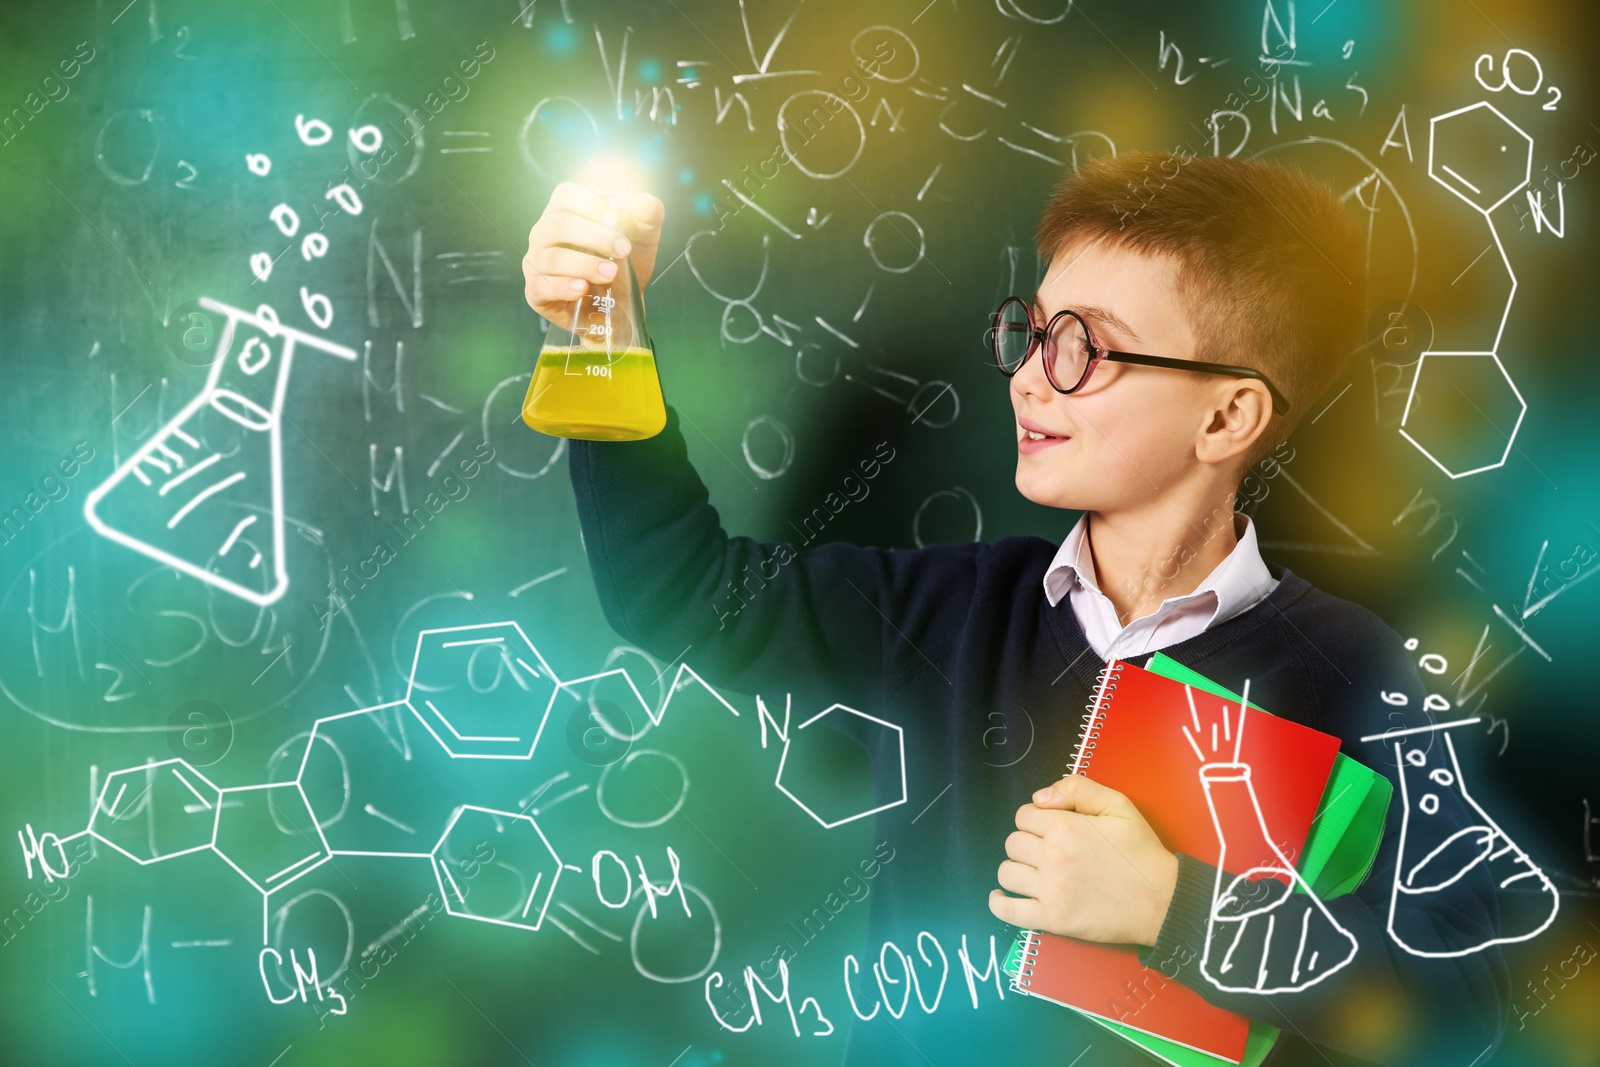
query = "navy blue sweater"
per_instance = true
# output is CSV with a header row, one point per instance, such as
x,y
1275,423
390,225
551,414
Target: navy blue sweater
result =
x,y
958,645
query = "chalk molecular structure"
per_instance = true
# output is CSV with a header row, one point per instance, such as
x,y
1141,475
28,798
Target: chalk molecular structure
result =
x,y
482,692
1485,159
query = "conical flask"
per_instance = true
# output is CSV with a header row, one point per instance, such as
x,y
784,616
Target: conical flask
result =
x,y
215,513
1264,946
1436,852
596,376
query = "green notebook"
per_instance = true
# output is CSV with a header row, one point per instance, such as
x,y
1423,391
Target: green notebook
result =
x,y
1339,851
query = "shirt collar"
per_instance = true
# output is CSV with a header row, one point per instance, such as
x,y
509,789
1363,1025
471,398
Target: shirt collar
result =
x,y
1235,583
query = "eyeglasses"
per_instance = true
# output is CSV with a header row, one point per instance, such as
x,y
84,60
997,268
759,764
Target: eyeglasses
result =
x,y
1070,354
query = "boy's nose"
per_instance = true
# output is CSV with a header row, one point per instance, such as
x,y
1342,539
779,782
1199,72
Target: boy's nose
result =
x,y
1031,381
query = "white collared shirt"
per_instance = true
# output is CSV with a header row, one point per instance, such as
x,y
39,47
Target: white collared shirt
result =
x,y
1237,584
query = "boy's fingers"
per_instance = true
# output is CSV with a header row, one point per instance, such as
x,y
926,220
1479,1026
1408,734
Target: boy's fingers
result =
x,y
586,235
1025,847
1019,878
545,290
1078,793
557,262
1036,820
647,214
647,210
1018,911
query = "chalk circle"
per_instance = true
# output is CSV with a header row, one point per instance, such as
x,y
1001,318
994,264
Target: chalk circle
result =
x,y
799,366
916,58
300,759
502,447
357,152
1077,137
199,732
1538,69
917,407
1016,12
958,493
716,938
281,916
562,135
677,805
872,250
727,316
694,269
783,133
784,436
124,141
254,356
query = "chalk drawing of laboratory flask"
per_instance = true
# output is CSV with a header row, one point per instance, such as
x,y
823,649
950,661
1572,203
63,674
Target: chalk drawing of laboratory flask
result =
x,y
185,503
1275,958
1431,861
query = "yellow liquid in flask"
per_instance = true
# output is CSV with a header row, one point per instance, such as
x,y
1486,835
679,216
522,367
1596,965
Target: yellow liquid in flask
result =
x,y
596,396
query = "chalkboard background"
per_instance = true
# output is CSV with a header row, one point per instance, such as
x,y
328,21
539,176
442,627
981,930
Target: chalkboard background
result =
x,y
799,321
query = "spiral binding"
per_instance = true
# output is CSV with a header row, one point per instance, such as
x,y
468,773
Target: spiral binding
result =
x,y
1094,714
1030,953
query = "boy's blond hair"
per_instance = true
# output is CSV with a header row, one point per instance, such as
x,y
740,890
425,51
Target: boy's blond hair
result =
x,y
1271,266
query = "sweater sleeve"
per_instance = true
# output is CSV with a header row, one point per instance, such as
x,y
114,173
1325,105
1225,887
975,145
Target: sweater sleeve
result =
x,y
1424,984
833,621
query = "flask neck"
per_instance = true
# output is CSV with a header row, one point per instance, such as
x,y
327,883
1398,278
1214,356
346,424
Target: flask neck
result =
x,y
1242,835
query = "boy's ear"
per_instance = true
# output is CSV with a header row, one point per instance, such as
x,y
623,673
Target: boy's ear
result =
x,y
1239,417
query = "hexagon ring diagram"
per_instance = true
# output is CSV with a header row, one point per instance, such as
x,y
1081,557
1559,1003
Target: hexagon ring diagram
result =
x,y
156,811
813,770
483,691
496,867
1479,155
1463,411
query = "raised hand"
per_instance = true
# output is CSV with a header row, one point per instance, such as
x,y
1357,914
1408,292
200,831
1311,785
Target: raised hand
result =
x,y
576,244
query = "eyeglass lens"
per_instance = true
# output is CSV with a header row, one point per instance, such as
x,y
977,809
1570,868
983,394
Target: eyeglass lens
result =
x,y
1065,352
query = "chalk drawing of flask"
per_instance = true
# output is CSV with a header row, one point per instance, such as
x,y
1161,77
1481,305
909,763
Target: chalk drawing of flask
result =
x,y
1432,859
212,514
1248,949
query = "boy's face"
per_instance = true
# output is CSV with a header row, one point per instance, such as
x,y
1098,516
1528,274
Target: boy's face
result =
x,y
1128,435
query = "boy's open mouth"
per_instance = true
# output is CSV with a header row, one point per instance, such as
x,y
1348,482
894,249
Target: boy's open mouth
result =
x,y
1035,437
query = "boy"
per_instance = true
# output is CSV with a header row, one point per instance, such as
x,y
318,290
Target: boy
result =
x,y
1244,280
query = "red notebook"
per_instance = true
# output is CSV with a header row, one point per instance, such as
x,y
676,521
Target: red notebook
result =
x,y
1140,737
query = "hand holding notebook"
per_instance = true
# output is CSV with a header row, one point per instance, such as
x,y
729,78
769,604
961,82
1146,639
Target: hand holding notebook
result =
x,y
1089,865
1147,737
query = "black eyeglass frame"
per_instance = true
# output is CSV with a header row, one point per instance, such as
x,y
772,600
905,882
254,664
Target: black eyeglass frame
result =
x,y
1098,354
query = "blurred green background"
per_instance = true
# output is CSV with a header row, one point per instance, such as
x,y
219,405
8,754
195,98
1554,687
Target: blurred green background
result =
x,y
844,307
